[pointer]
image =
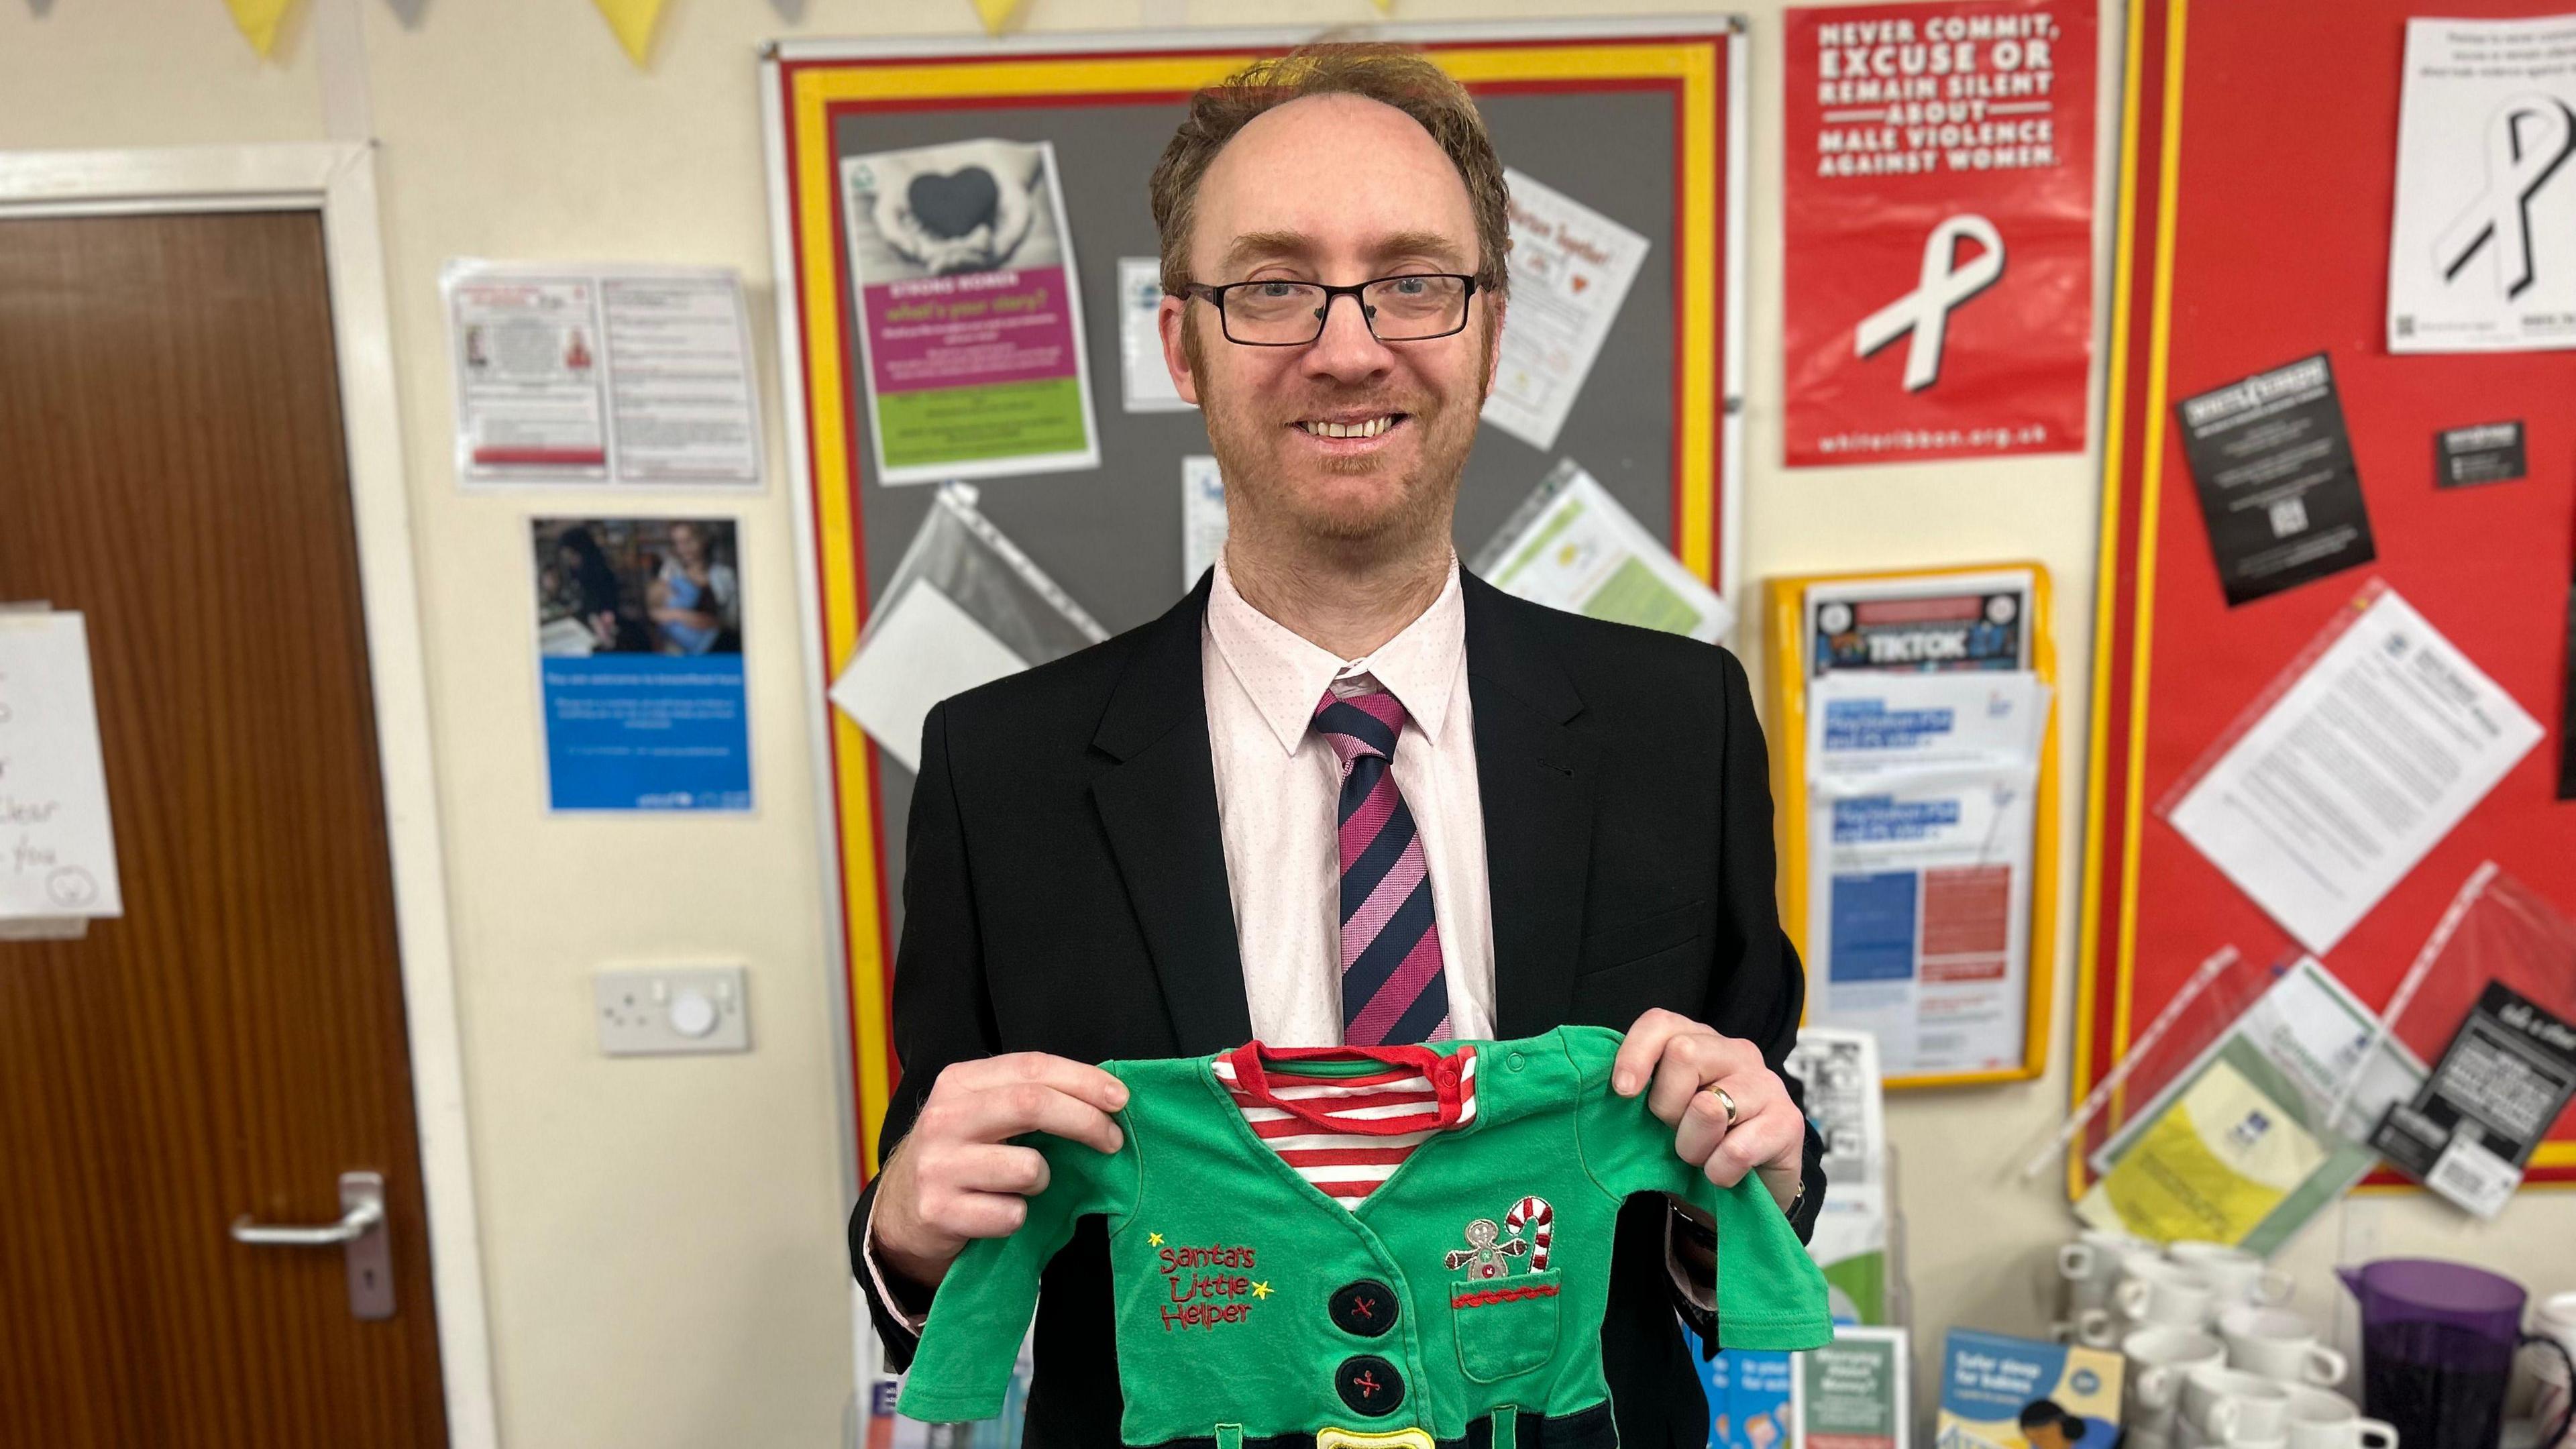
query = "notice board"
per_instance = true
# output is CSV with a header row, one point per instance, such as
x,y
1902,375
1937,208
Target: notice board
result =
x,y
1639,120
2258,163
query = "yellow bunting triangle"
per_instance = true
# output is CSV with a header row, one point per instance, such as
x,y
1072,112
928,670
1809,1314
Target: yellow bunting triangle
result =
x,y
1386,7
996,13
257,20
633,22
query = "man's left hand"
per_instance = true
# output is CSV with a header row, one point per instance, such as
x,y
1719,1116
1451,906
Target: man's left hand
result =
x,y
1675,1061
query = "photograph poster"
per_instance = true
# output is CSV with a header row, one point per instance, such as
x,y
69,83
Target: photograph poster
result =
x,y
639,663
970,312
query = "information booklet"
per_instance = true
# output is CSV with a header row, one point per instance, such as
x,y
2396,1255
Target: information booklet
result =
x,y
1749,1396
1851,1393
2019,1393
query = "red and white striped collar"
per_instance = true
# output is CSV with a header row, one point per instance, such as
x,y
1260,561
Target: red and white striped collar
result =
x,y
1328,1103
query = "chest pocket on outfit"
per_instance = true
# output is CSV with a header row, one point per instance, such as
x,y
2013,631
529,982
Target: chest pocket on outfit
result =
x,y
1505,1325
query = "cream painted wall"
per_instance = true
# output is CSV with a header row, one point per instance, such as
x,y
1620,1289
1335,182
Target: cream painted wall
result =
x,y
662,1238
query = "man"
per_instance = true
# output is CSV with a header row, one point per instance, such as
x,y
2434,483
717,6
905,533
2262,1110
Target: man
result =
x,y
1137,852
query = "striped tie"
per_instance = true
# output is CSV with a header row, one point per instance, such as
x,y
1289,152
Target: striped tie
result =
x,y
1392,992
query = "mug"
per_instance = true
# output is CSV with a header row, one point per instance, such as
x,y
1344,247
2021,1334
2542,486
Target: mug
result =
x,y
2225,1404
2555,1318
2239,1276
2320,1419
2154,1291
2090,1265
2279,1344
2093,1328
2160,1358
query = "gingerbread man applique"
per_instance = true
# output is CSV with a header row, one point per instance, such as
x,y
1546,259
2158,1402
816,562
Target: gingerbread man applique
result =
x,y
1483,1257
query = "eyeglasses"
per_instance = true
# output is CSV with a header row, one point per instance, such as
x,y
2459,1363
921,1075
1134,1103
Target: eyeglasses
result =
x,y
1271,312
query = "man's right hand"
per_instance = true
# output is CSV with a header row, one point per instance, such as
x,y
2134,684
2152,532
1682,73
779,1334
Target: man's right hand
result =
x,y
957,1176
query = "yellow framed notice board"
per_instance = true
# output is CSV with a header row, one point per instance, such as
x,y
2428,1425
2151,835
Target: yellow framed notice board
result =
x,y
1934,922
1656,423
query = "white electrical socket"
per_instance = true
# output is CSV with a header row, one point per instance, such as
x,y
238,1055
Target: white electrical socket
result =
x,y
653,1010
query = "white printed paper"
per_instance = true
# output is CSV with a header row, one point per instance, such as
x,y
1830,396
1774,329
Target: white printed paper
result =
x,y
924,650
1202,517
57,842
618,375
1144,383
2357,771
1572,547
682,405
1845,1100
2482,253
2468,1174
1920,816
1571,268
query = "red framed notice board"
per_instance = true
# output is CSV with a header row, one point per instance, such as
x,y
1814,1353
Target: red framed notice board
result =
x,y
2257,182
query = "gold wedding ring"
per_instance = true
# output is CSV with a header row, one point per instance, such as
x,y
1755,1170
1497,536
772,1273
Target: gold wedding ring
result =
x,y
1725,1103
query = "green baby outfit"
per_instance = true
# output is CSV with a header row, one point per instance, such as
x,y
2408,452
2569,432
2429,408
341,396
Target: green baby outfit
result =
x,y
1362,1248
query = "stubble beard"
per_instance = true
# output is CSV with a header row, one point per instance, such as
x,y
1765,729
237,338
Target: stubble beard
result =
x,y
1418,502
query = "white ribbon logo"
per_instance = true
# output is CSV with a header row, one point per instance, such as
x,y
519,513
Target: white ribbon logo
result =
x,y
1943,286
2527,140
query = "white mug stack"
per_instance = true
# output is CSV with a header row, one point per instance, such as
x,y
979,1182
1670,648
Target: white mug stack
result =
x,y
2553,1317
2215,1358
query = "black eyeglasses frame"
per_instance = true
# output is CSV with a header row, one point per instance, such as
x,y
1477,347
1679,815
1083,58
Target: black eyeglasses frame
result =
x,y
1215,293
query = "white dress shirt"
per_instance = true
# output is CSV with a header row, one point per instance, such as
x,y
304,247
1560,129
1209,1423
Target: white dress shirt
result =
x,y
1278,793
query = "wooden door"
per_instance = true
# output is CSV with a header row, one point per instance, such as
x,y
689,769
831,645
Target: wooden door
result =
x,y
171,465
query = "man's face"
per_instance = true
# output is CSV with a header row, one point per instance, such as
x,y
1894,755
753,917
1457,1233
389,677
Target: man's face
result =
x,y
1341,190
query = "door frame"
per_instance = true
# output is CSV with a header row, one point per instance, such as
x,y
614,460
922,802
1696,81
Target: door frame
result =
x,y
338,180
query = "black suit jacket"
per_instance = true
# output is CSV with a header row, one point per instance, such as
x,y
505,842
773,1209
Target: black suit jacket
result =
x,y
1065,892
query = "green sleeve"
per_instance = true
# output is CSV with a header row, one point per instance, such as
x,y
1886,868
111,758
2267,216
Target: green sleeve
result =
x,y
1770,1294
981,1311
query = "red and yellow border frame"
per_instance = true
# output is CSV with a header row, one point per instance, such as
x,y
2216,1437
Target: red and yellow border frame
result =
x,y
2134,453
813,93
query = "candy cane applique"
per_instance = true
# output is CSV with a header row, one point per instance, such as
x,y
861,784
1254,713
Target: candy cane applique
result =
x,y
1540,1219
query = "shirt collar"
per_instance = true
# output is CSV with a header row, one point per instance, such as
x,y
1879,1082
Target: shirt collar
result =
x,y
1356,1105
1285,673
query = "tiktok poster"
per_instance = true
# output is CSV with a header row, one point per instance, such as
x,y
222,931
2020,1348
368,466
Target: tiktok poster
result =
x,y
1938,230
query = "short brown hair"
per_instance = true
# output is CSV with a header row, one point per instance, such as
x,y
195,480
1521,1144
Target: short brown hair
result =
x,y
1397,75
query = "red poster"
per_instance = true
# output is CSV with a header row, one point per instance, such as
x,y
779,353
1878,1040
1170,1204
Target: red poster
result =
x,y
1938,229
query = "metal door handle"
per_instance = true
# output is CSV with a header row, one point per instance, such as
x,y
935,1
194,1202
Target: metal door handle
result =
x,y
361,1216
361,1231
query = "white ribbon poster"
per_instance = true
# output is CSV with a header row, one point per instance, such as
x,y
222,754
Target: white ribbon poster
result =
x,y
2482,252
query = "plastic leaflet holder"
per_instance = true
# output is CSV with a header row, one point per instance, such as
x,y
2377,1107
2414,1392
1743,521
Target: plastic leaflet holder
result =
x,y
964,607
2254,1086
2490,1000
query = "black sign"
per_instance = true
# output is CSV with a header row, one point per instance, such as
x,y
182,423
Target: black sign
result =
x,y
2485,453
2503,1080
2277,484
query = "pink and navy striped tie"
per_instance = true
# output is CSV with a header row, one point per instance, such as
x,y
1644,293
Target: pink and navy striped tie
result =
x,y
1392,991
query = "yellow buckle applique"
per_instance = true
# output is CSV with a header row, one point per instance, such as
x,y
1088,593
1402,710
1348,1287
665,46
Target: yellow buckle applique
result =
x,y
1387,1439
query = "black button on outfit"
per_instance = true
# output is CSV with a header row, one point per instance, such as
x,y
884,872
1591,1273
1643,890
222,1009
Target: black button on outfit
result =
x,y
1366,1308
1369,1384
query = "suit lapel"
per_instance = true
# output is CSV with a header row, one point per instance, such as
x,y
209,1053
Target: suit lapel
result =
x,y
1538,779
1158,805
